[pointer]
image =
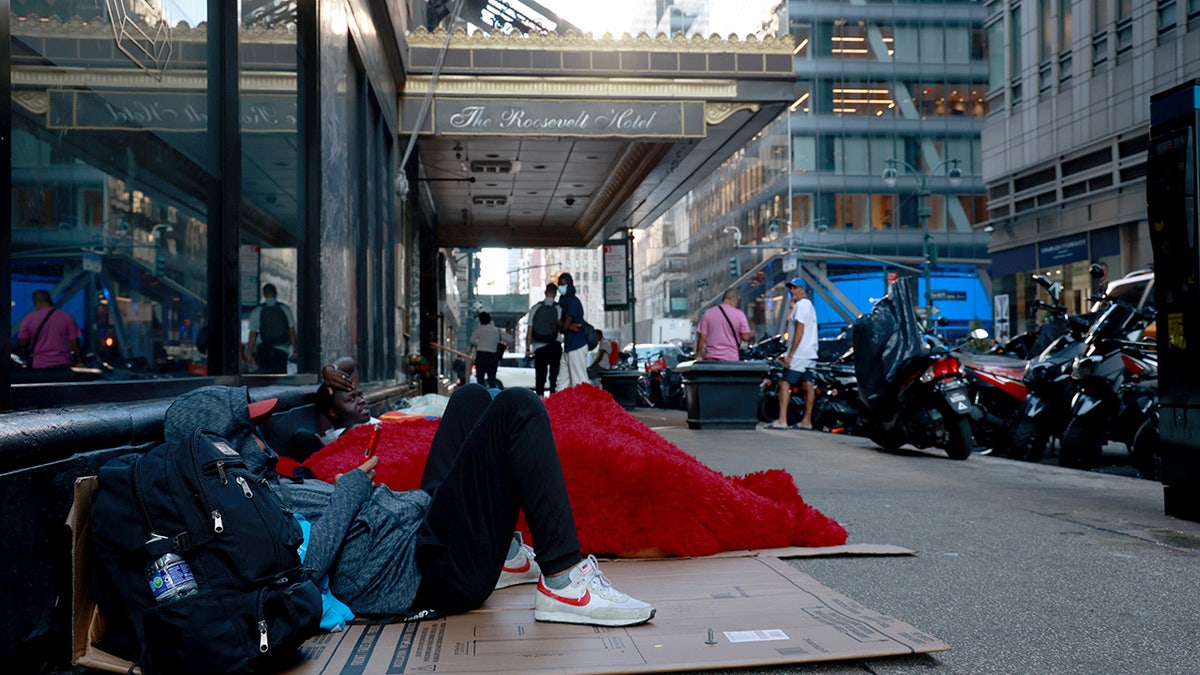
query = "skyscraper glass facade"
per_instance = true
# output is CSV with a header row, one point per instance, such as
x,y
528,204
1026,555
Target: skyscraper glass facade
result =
x,y
878,84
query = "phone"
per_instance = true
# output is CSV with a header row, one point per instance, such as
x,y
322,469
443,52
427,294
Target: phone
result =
x,y
375,434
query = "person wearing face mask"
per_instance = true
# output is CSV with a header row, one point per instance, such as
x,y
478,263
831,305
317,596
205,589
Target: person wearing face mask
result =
x,y
272,335
574,358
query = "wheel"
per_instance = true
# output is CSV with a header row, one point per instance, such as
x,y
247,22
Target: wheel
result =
x,y
768,407
1081,442
1028,441
887,442
1147,455
961,441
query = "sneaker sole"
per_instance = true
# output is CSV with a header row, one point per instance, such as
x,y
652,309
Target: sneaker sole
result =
x,y
515,580
568,617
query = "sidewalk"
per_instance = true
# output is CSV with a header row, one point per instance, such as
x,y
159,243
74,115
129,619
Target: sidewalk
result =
x,y
1022,568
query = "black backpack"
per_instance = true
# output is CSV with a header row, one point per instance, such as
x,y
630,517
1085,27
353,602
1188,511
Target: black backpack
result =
x,y
545,323
253,606
273,325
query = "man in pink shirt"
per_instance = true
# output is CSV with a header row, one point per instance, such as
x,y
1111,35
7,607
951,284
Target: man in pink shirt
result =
x,y
721,330
52,332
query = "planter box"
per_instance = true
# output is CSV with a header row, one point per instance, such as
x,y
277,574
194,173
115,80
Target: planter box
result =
x,y
622,385
722,394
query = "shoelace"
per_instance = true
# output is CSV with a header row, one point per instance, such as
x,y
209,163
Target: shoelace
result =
x,y
595,576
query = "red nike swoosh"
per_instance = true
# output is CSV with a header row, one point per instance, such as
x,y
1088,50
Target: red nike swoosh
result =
x,y
577,602
518,570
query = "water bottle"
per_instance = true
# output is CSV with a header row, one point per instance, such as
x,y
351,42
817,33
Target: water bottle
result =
x,y
170,577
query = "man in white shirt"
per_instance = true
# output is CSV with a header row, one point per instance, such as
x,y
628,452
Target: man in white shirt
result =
x,y
486,341
800,357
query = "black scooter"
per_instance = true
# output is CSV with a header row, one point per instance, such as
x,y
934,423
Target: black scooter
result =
x,y
911,390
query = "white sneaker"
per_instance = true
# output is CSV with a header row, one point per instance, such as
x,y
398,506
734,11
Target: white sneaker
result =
x,y
521,568
589,599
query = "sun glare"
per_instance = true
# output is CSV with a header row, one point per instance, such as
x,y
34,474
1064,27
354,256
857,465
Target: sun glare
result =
x,y
598,18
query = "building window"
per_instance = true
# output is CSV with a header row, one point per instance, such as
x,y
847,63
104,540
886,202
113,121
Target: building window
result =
x,y
270,248
996,53
1066,40
802,37
1166,18
111,186
803,104
804,154
1124,27
1015,66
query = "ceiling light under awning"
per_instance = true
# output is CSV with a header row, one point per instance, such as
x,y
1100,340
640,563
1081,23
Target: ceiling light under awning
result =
x,y
491,166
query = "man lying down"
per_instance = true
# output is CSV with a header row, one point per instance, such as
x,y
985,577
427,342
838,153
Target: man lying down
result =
x,y
445,547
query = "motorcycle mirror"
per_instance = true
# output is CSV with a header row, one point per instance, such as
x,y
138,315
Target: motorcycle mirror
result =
x,y
943,321
979,334
1043,281
1096,271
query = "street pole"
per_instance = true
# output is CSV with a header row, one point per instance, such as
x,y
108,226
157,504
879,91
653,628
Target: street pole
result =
x,y
923,214
630,291
953,176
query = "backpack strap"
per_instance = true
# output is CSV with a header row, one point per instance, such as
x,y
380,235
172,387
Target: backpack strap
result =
x,y
37,334
730,324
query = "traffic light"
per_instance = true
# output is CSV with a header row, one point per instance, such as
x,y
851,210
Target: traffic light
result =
x,y
931,254
735,267
160,262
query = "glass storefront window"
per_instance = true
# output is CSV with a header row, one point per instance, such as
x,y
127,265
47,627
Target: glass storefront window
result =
x,y
112,174
272,233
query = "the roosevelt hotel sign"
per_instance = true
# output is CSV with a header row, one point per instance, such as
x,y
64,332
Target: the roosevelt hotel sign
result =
x,y
671,119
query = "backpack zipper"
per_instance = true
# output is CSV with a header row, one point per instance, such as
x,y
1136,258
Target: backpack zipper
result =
x,y
245,487
217,521
263,644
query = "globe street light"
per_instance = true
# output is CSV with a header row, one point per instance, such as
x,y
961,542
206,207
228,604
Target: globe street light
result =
x,y
891,176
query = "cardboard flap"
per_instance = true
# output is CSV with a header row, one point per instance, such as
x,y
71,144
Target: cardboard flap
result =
x,y
87,624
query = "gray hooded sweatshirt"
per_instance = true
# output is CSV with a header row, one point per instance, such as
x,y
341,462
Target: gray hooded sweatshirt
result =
x,y
363,537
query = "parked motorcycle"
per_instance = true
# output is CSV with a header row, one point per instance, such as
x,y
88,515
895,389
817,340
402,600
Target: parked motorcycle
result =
x,y
1058,322
835,406
996,389
910,392
1047,378
768,396
1113,388
660,386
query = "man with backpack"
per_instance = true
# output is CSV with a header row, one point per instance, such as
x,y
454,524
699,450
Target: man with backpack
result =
x,y
440,549
272,335
541,339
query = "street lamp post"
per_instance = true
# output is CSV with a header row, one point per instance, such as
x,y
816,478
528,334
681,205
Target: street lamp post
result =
x,y
954,175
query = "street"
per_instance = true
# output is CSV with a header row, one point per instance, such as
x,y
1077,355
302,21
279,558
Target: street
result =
x,y
1022,568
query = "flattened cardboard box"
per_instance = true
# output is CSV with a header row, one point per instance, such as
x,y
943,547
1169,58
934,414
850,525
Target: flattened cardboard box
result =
x,y
760,610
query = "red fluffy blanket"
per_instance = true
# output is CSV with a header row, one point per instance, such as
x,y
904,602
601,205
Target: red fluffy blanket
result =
x,y
633,493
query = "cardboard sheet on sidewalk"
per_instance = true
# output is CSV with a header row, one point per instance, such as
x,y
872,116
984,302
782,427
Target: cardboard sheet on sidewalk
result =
x,y
760,609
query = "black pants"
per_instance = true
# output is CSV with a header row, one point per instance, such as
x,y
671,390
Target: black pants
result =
x,y
547,357
489,460
486,364
271,361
